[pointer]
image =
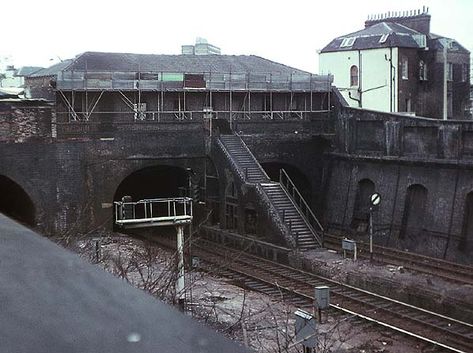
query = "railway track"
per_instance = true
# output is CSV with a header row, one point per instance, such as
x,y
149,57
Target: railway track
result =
x,y
450,271
298,286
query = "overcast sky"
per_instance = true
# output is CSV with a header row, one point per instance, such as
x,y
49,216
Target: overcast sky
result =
x,y
38,32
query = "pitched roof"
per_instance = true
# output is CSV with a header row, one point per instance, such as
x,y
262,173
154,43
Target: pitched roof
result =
x,y
97,61
439,42
28,70
52,70
395,35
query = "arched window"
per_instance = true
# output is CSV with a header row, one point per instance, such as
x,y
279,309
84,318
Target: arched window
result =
x,y
354,76
413,217
422,71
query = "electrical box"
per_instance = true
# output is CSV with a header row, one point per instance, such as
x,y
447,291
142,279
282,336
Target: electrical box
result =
x,y
322,297
348,244
305,328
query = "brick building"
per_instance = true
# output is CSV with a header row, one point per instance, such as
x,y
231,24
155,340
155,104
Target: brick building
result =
x,y
396,64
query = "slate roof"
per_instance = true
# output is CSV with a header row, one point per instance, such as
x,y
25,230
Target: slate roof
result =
x,y
438,42
398,35
98,61
52,70
28,70
55,302
368,38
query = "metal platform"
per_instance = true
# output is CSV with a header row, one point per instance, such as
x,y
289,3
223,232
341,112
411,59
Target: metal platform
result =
x,y
153,212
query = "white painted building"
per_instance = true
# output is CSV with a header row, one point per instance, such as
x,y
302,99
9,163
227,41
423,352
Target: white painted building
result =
x,y
364,77
395,64
10,78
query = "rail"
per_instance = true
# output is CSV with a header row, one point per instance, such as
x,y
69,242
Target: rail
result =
x,y
264,275
288,186
157,116
153,212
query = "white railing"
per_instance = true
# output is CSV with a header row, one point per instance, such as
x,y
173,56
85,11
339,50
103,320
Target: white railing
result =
x,y
153,212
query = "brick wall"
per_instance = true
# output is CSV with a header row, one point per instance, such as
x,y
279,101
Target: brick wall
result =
x,y
21,120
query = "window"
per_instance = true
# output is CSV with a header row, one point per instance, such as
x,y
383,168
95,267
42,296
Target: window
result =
x,y
422,71
347,42
354,76
383,38
464,72
404,68
408,105
449,71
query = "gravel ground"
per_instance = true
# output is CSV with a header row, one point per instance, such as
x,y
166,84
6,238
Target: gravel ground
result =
x,y
263,323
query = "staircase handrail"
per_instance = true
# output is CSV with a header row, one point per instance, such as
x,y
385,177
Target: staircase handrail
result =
x,y
305,211
231,160
273,213
254,158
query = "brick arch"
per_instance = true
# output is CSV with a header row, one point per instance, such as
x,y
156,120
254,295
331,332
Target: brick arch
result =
x,y
153,181
16,202
413,218
361,208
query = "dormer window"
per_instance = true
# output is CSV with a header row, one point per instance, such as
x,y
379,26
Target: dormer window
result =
x,y
383,38
347,42
354,76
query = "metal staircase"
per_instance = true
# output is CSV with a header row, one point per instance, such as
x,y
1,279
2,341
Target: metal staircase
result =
x,y
284,197
291,216
245,161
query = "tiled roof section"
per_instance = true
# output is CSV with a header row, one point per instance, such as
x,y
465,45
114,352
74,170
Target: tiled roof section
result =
x,y
52,70
28,70
437,42
396,35
97,61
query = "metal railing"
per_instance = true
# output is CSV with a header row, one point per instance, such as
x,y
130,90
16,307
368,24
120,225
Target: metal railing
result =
x,y
234,165
254,160
153,212
157,116
152,80
306,212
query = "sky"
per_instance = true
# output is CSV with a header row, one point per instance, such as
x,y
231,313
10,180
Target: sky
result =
x,y
42,32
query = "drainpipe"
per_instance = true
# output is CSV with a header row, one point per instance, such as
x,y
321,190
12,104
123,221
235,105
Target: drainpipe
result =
x,y
445,66
391,67
391,79
360,78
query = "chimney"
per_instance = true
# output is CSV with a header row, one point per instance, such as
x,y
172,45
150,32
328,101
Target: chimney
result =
x,y
418,20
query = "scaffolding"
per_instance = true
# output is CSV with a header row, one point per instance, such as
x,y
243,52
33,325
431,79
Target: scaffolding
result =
x,y
81,92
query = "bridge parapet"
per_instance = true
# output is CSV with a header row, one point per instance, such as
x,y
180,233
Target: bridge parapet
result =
x,y
367,133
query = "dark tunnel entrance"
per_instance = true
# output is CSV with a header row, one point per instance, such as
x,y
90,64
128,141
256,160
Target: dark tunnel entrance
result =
x,y
15,202
300,180
153,182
